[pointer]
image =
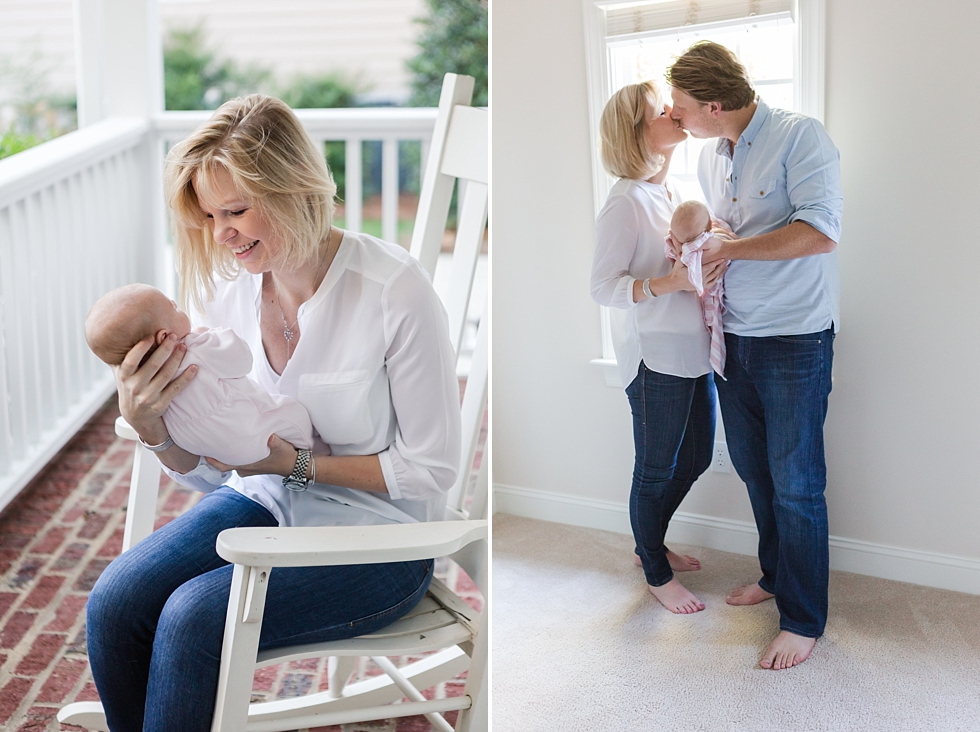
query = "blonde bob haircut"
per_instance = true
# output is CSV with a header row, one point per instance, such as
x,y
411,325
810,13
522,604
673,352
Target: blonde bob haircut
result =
x,y
275,167
621,139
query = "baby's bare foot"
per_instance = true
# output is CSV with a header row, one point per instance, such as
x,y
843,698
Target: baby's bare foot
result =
x,y
677,598
748,595
787,650
677,562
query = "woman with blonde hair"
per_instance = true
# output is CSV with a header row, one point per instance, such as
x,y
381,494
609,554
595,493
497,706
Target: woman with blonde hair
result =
x,y
663,350
346,324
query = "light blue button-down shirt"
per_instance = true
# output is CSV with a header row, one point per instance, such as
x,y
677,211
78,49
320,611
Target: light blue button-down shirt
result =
x,y
785,168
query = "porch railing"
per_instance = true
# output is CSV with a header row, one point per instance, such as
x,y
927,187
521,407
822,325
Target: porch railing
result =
x,y
83,214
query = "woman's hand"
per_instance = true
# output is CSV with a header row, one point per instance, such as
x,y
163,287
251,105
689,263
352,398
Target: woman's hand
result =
x,y
146,391
678,280
280,461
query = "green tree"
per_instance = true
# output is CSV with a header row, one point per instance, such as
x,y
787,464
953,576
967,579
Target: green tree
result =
x,y
195,78
321,91
453,39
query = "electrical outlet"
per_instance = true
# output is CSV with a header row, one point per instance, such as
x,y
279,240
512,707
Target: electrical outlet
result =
x,y
720,462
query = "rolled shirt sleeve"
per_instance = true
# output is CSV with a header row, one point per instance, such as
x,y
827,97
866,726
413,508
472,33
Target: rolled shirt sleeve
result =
x,y
204,477
616,237
813,180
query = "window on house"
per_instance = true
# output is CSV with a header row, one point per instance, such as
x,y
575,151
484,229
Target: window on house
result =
x,y
779,41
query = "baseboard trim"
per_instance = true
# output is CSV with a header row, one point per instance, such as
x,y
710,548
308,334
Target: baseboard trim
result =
x,y
847,555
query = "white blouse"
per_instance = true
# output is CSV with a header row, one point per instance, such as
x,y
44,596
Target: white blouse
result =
x,y
376,371
667,333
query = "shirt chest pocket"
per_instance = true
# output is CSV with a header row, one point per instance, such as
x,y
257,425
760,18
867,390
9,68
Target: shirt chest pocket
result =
x,y
763,188
339,405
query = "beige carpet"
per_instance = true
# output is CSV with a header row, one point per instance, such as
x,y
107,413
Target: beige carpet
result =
x,y
580,646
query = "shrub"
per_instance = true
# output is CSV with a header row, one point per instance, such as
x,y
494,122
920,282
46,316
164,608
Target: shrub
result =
x,y
453,39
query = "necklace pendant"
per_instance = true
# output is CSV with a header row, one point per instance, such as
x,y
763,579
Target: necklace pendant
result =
x,y
288,334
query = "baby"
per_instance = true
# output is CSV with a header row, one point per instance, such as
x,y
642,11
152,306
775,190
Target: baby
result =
x,y
690,226
221,413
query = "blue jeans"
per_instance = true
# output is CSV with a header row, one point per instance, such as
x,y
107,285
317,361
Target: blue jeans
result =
x,y
673,437
774,405
156,616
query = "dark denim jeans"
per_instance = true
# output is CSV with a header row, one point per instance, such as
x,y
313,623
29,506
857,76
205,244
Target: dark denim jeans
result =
x,y
774,404
156,616
673,437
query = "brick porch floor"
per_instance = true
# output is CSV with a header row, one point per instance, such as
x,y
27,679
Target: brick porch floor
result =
x,y
55,540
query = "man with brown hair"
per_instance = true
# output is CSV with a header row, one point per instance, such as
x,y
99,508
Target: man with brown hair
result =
x,y
774,176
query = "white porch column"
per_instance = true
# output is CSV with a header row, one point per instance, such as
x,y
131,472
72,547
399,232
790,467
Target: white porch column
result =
x,y
119,60
119,57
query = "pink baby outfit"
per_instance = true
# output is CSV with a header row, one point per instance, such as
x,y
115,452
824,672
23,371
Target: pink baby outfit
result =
x,y
712,306
225,415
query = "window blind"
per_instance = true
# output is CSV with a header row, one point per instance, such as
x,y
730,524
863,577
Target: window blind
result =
x,y
657,15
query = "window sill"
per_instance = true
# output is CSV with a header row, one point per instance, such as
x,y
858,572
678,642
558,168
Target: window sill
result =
x,y
610,370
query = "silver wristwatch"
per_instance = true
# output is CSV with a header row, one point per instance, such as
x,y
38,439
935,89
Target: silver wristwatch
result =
x,y
297,480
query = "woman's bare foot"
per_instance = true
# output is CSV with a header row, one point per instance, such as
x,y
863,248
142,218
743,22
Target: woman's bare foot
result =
x,y
677,562
677,598
748,595
787,650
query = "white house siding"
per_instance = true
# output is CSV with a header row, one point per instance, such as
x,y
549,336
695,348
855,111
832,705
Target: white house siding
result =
x,y
42,26
371,38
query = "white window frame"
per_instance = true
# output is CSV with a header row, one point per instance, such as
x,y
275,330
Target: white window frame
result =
x,y
809,68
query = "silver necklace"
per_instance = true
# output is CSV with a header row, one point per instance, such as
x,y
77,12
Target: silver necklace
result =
x,y
287,330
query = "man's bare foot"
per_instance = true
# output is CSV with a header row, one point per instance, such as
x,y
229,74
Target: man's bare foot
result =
x,y
677,598
677,562
748,595
682,562
787,650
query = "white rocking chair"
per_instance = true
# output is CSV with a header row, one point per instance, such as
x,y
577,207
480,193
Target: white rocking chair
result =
x,y
442,620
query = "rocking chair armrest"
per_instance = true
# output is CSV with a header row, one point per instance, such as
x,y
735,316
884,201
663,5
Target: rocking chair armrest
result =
x,y
124,430
334,545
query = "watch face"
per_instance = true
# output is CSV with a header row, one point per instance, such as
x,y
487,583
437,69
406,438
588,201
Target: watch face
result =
x,y
294,484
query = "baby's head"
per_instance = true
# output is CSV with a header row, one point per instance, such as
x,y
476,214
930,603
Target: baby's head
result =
x,y
690,220
123,317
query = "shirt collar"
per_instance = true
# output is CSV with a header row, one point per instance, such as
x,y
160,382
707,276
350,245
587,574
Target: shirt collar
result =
x,y
749,134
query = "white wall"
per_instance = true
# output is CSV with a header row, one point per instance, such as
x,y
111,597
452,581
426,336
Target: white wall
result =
x,y
904,424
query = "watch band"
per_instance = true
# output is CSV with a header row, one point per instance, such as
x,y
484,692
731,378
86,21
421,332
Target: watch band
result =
x,y
646,288
165,445
297,480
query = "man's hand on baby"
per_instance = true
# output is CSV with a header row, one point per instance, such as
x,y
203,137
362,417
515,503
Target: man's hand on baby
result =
x,y
281,459
712,250
713,271
721,227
